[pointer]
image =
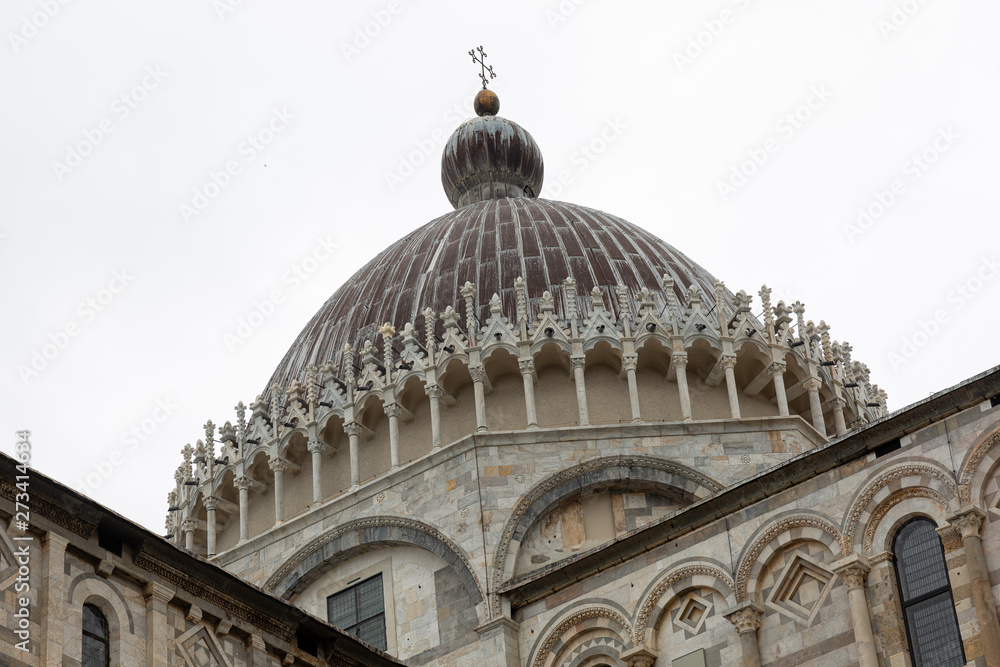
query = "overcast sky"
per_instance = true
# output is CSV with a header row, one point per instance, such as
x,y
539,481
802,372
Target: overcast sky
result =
x,y
171,168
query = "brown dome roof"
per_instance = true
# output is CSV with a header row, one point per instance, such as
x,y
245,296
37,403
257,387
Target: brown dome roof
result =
x,y
490,244
489,157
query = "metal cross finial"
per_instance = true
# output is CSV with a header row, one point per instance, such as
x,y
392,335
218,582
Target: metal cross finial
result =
x,y
486,68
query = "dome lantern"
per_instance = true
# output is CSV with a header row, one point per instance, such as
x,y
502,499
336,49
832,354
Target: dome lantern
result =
x,y
489,157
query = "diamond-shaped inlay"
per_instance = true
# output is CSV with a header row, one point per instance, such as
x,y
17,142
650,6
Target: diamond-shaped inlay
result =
x,y
692,612
200,648
801,589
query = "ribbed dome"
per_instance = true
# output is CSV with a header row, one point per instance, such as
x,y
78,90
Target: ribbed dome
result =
x,y
490,244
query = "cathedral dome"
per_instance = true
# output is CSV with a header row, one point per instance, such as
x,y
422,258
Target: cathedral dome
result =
x,y
490,244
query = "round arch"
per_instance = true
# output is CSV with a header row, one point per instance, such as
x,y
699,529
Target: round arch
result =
x,y
599,471
341,543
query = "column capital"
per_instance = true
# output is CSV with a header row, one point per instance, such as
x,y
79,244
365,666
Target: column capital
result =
x,y
578,361
812,384
189,525
853,570
317,447
155,591
434,391
967,521
776,368
211,503
837,402
746,617
243,482
639,657
393,409
679,359
526,365
352,429
279,464
630,362
478,373
728,361
54,540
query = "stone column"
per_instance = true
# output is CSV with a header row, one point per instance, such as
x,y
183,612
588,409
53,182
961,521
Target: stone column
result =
x,y
188,526
678,361
257,651
854,571
392,409
317,449
729,363
478,374
244,483
747,617
434,392
812,385
498,643
639,657
776,370
578,362
158,634
527,367
353,431
629,364
278,466
211,504
968,521
839,423
52,596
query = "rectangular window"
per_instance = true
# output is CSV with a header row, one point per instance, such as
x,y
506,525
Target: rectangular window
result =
x,y
360,611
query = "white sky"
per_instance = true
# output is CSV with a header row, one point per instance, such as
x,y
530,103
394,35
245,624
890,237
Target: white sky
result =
x,y
198,79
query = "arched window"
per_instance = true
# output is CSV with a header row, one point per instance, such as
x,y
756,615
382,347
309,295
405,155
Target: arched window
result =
x,y
96,644
925,594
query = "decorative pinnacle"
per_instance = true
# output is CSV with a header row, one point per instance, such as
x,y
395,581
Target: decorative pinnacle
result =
x,y
485,68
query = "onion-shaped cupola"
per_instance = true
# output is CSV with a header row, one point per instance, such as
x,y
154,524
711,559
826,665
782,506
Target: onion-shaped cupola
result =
x,y
489,157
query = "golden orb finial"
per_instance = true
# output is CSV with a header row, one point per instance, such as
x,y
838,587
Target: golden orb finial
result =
x,y
486,103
